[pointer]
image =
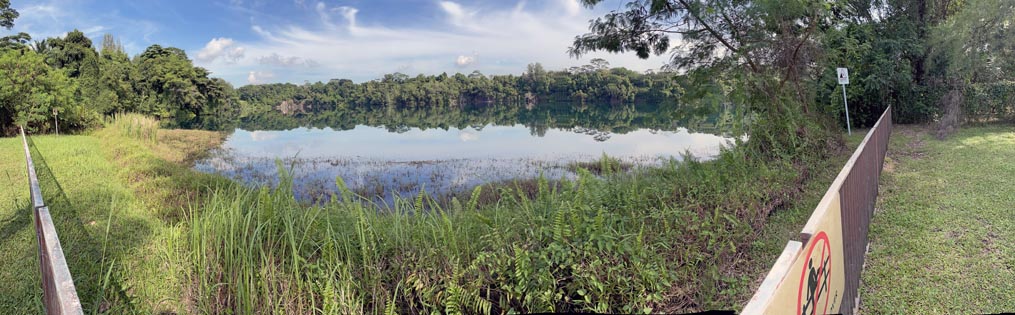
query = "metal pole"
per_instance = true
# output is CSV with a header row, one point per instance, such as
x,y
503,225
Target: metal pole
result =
x,y
846,105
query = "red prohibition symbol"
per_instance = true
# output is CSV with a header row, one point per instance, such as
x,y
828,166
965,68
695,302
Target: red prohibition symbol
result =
x,y
814,278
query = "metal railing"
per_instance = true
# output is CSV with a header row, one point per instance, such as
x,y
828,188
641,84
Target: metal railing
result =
x,y
858,194
58,292
820,273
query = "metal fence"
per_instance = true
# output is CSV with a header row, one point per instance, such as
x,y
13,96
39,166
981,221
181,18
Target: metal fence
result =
x,y
820,273
58,293
858,194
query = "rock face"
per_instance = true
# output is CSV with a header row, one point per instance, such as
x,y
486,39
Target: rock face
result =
x,y
291,107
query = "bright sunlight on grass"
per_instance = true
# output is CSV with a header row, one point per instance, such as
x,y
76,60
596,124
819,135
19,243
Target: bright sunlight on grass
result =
x,y
943,236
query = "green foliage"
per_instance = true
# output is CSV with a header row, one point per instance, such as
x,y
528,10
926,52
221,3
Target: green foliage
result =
x,y
987,101
878,78
579,85
752,54
30,91
7,15
661,240
161,82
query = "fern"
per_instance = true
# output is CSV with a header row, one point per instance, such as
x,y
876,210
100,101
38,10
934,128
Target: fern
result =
x,y
419,198
474,199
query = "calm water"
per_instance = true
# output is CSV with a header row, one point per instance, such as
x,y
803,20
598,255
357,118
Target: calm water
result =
x,y
381,163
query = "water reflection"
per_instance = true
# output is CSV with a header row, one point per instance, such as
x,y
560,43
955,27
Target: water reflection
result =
x,y
385,162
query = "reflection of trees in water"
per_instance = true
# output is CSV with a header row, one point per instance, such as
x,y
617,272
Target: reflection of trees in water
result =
x,y
599,121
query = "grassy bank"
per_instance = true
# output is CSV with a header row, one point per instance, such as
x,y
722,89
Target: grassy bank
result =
x,y
111,198
943,237
159,237
668,239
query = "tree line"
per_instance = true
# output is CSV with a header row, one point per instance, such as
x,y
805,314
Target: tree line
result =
x,y
945,61
593,83
70,82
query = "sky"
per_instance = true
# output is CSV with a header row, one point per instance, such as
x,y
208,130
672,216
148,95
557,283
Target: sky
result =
x,y
297,41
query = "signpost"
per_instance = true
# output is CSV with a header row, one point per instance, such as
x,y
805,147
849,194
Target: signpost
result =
x,y
56,122
843,76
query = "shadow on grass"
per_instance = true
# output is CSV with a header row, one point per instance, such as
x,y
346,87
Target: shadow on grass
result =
x,y
99,289
17,238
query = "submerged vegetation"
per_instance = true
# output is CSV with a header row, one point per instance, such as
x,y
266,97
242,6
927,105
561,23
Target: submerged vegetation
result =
x,y
606,165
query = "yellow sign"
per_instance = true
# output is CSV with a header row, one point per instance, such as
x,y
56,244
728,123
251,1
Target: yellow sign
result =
x,y
813,283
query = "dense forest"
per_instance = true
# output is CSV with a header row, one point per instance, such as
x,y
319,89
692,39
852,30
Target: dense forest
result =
x,y
601,118
71,83
944,61
78,83
614,95
592,83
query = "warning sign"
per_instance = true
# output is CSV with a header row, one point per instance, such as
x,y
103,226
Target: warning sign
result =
x,y
843,75
811,280
814,277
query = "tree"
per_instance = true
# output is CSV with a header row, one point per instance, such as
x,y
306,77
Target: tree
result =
x,y
70,52
762,53
972,48
17,41
30,90
7,15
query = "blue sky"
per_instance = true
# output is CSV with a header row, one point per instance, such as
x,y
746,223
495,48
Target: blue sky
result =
x,y
261,41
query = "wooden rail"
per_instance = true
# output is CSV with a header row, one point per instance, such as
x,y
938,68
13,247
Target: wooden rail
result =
x,y
58,293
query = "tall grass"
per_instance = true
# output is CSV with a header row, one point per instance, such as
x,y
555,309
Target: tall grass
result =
x,y
660,240
136,126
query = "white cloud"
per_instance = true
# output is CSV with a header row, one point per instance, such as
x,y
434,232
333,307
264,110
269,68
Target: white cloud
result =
x,y
94,30
283,61
54,18
463,60
468,135
258,77
263,135
456,13
220,47
572,7
340,45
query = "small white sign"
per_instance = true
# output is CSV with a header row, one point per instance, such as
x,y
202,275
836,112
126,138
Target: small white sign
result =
x,y
843,75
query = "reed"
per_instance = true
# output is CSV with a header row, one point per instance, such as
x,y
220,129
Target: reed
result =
x,y
659,239
136,126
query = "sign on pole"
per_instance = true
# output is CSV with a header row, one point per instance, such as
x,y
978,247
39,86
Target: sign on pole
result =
x,y
843,75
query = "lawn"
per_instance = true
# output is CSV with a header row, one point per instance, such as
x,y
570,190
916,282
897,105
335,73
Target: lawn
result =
x,y
942,240
112,224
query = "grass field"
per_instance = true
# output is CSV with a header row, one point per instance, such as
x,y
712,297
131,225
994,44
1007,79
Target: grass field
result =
x,y
109,199
943,236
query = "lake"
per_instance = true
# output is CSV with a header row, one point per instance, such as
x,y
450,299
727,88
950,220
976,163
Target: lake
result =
x,y
383,162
